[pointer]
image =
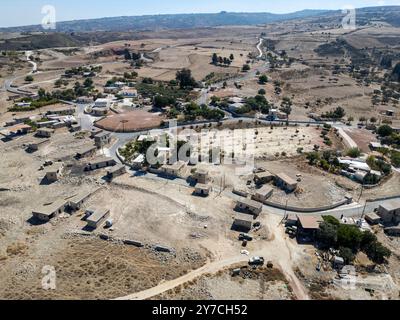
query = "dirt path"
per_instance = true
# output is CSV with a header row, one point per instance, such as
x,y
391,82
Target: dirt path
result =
x,y
212,267
278,250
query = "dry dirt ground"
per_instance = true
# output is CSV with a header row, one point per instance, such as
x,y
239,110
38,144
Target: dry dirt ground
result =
x,y
130,121
86,269
259,284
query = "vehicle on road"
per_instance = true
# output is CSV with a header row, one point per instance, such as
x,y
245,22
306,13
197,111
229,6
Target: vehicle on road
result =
x,y
256,261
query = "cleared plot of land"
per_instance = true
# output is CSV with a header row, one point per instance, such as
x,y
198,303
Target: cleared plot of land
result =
x,y
261,284
263,142
91,269
130,121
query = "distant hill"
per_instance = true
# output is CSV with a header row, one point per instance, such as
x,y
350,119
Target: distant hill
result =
x,y
169,21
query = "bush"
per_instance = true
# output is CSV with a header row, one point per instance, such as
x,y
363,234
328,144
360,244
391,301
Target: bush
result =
x,y
385,130
327,235
354,152
349,237
347,254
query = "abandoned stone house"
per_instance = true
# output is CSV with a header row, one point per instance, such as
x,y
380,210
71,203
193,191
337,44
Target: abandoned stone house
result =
x,y
283,181
390,212
263,194
202,190
249,206
102,139
97,218
94,132
77,201
54,172
86,152
263,177
116,171
44,132
34,146
201,176
243,222
49,211
174,170
100,163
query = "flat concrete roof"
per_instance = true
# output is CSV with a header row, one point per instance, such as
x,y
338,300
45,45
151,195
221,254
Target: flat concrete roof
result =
x,y
250,203
116,168
391,205
48,210
80,197
265,190
285,178
309,222
202,186
100,160
98,215
86,149
244,217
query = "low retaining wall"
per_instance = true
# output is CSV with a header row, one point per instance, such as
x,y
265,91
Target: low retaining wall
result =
x,y
307,210
383,198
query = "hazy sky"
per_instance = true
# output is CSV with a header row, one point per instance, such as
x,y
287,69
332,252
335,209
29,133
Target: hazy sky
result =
x,y
26,12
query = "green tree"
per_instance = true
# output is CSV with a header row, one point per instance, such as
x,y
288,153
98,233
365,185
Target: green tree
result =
x,y
246,68
349,237
286,106
263,79
185,79
347,255
327,235
354,152
385,130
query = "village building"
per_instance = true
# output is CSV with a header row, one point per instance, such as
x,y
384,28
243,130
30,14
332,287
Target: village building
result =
x,y
94,132
75,128
62,111
243,222
286,183
263,177
54,172
77,201
240,192
308,226
263,194
393,231
102,103
116,171
99,112
100,163
86,152
202,190
249,206
291,220
375,145
44,132
47,212
111,89
18,129
128,93
59,125
201,176
47,124
102,139
390,212
34,146
174,170
138,162
17,120
84,100
372,218
98,218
